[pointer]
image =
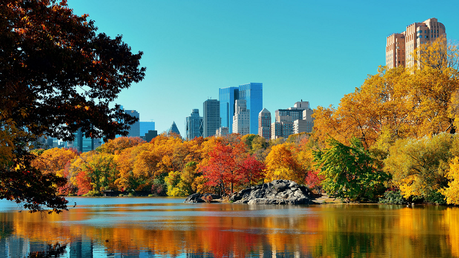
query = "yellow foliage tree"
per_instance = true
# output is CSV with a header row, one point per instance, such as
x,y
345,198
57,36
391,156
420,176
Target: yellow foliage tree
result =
x,y
452,191
282,164
418,167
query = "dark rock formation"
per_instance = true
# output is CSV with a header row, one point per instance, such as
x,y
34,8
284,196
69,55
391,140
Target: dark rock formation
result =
x,y
276,192
198,198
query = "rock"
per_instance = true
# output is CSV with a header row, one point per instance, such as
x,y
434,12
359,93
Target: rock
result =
x,y
198,198
276,192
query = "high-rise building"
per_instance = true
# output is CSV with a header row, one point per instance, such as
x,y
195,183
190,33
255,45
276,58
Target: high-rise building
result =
x,y
264,124
286,119
134,131
222,131
211,117
252,93
82,143
194,126
400,46
173,129
145,127
241,118
227,97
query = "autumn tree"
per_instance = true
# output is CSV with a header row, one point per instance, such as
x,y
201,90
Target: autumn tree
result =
x,y
56,161
451,192
349,171
419,166
115,146
181,183
282,164
96,169
231,167
57,75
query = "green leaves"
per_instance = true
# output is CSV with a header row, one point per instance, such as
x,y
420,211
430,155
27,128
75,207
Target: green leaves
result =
x,y
349,171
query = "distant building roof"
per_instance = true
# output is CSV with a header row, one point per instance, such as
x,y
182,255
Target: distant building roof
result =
x,y
173,129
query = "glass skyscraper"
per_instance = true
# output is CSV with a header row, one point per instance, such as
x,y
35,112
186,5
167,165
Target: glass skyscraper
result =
x,y
211,117
227,98
252,93
194,125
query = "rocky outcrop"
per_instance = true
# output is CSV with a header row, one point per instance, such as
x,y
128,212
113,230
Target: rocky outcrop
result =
x,y
198,198
276,192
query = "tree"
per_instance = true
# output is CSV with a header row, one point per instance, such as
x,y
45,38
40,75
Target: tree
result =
x,y
56,161
281,164
57,76
452,191
349,171
115,146
230,167
418,166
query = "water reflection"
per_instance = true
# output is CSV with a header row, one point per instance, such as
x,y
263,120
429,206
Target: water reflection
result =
x,y
161,227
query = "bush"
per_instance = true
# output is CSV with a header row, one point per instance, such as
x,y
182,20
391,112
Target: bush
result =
x,y
393,197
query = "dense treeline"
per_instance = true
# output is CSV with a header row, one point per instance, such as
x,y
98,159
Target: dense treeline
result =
x,y
393,140
168,165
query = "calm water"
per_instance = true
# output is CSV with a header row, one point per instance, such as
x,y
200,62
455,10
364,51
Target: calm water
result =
x,y
166,227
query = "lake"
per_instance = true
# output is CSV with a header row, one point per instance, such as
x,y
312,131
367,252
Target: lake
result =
x,y
166,227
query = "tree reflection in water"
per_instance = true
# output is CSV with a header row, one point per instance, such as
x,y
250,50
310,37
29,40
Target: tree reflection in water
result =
x,y
219,230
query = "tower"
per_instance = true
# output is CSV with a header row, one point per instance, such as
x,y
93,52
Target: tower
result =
x,y
211,117
400,46
194,126
241,118
252,93
264,124
134,131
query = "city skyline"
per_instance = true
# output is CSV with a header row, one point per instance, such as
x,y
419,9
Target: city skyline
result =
x,y
298,50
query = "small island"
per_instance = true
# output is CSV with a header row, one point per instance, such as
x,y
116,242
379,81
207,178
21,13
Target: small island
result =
x,y
277,192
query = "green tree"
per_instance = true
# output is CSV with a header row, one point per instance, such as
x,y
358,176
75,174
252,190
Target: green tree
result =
x,y
349,172
57,75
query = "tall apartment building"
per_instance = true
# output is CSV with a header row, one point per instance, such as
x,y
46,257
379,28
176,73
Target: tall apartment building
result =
x,y
400,46
241,118
194,126
211,117
264,124
252,93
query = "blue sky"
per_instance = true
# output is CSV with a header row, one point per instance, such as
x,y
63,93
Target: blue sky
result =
x,y
317,51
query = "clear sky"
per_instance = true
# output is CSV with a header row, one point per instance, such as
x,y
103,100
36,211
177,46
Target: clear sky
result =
x,y
317,51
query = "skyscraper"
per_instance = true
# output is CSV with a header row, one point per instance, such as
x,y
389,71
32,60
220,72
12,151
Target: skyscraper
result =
x,y
241,118
227,97
134,131
285,120
145,127
173,129
264,124
252,93
211,117
194,126
400,46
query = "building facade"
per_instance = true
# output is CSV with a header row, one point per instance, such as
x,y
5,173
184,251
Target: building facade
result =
x,y
194,125
134,131
145,127
222,131
252,93
211,117
400,46
294,120
264,124
241,118
173,129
